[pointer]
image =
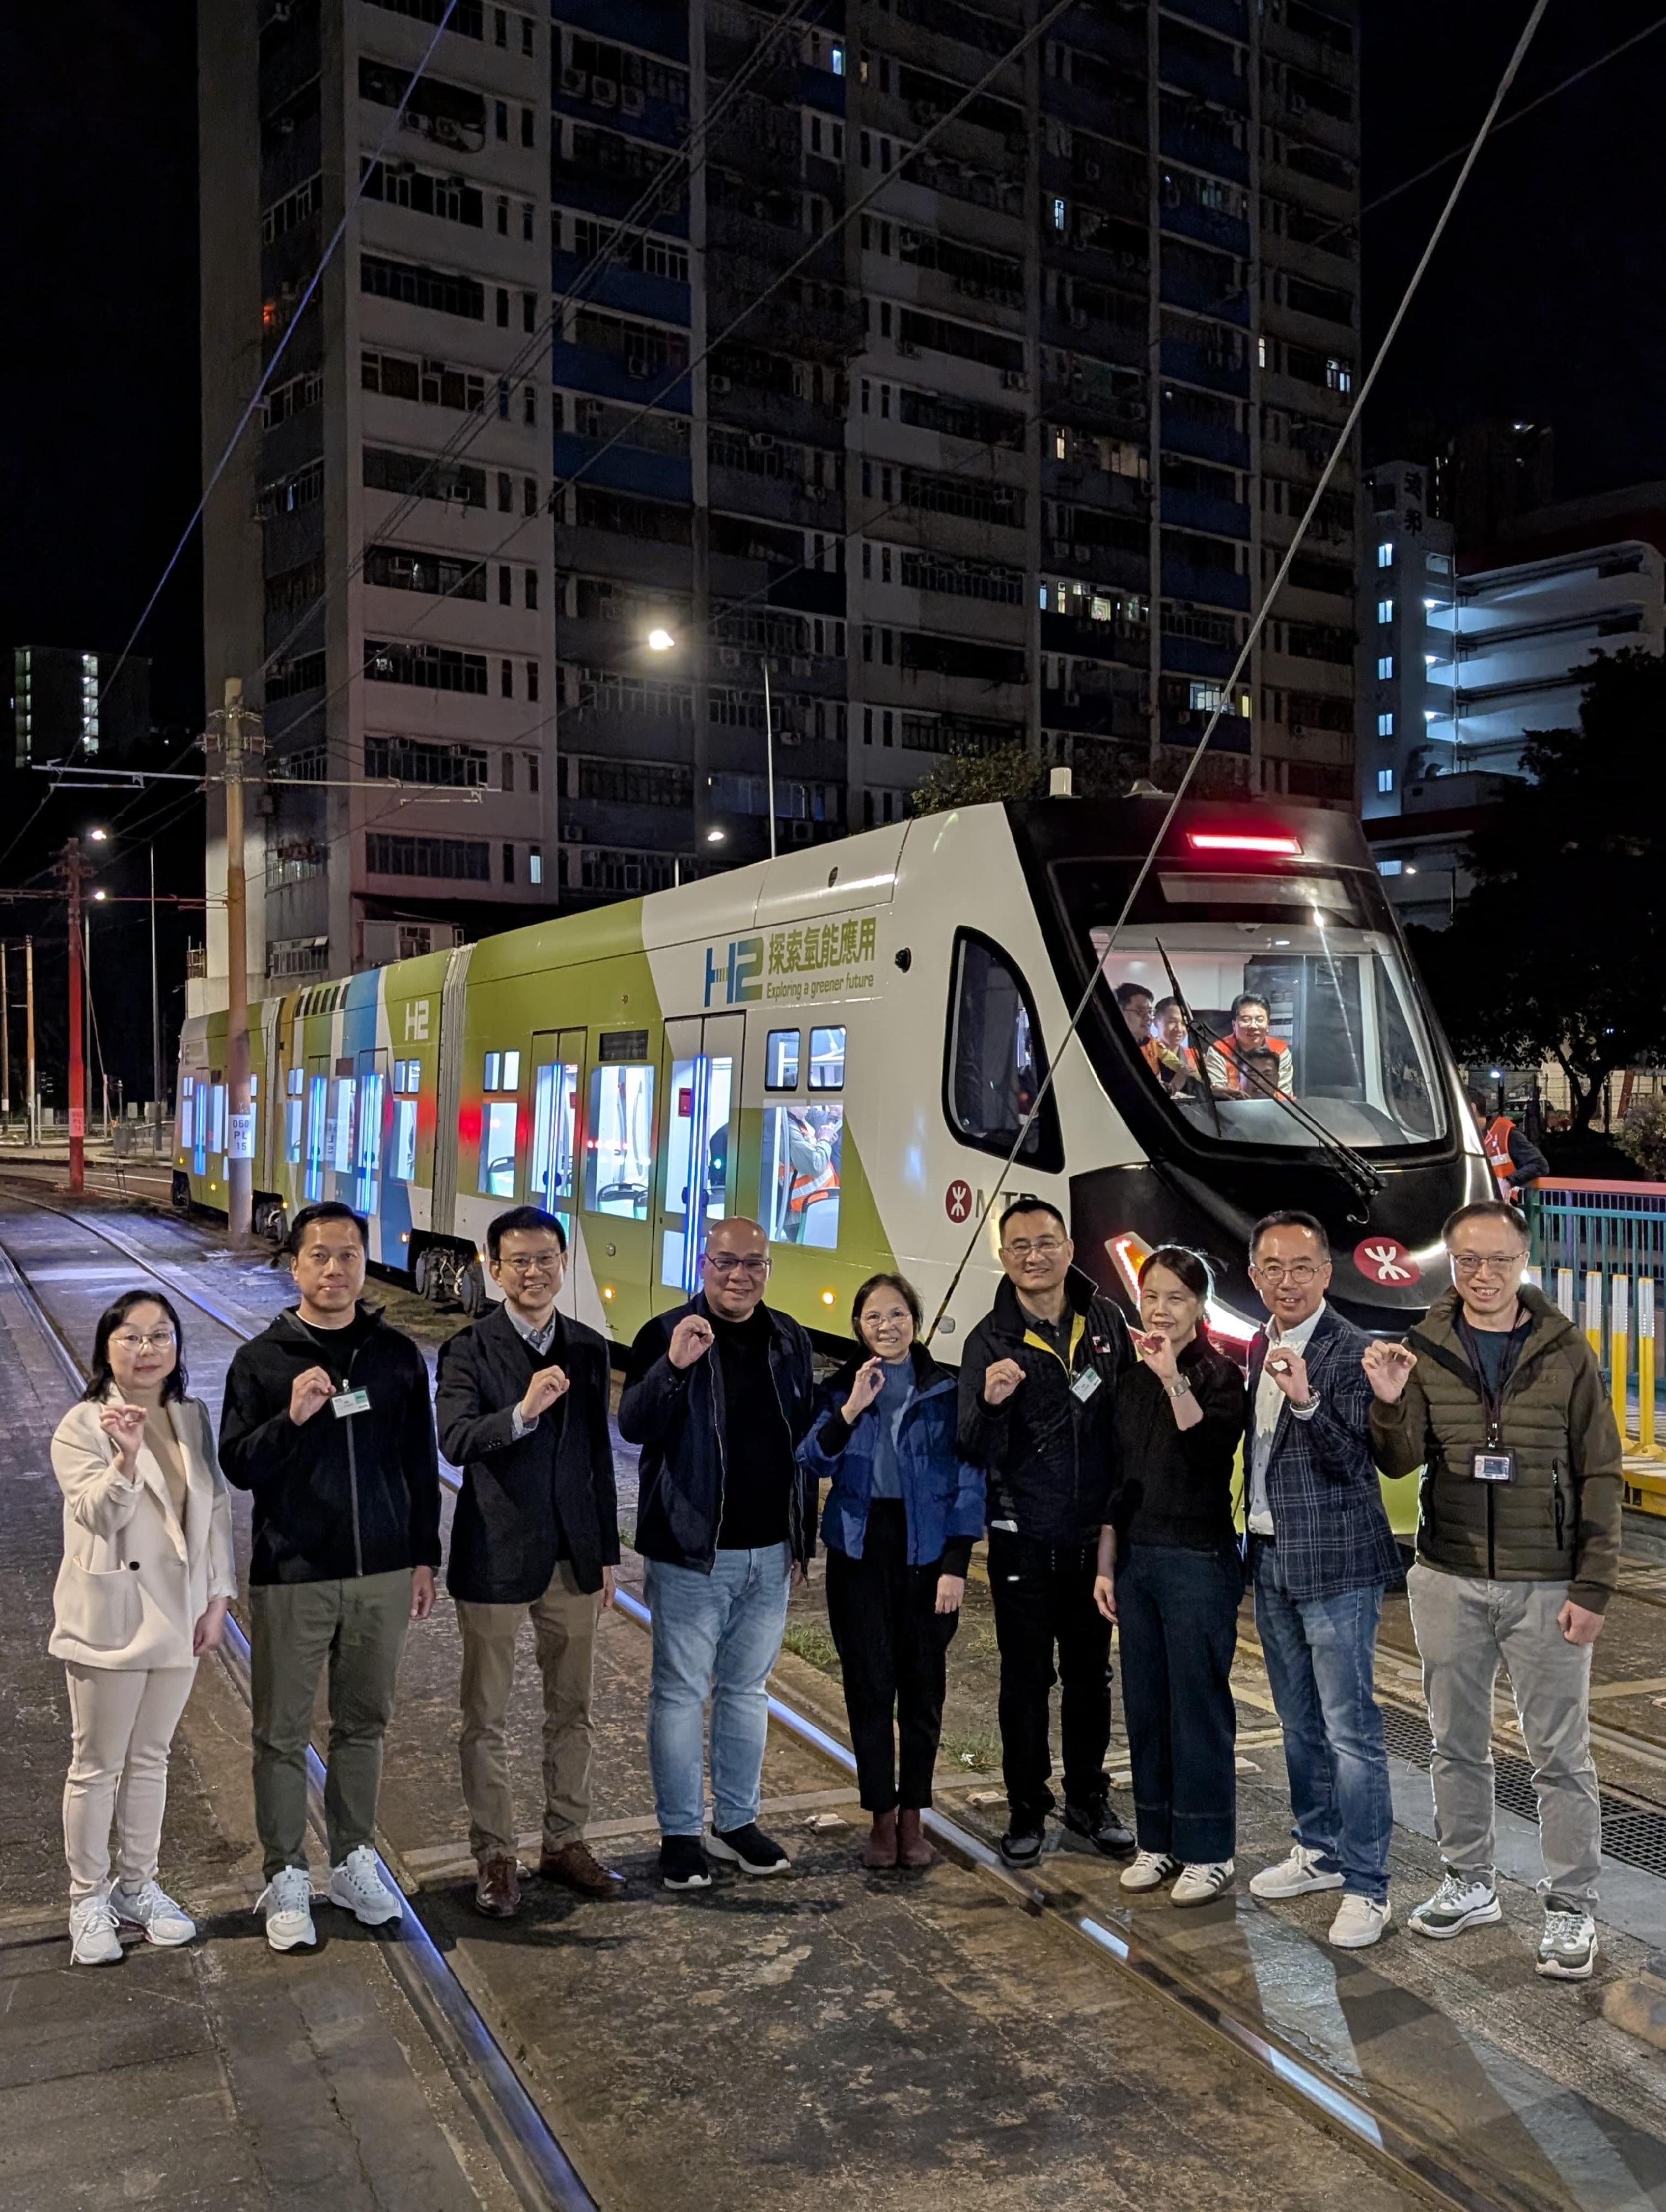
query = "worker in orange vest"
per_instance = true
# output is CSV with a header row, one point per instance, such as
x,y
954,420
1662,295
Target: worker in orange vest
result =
x,y
1250,1063
1513,1159
1135,1001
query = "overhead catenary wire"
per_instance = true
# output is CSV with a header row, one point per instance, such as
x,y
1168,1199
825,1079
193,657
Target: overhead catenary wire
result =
x,y
1099,956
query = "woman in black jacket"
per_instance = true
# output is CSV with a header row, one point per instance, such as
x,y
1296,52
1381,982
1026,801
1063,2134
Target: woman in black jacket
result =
x,y
1169,1576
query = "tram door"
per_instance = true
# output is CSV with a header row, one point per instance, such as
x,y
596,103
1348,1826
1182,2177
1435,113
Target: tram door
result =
x,y
372,1079
701,1126
558,1065
318,1117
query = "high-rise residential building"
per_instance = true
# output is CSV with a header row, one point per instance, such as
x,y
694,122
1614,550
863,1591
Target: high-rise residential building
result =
x,y
85,708
604,418
378,560
1008,458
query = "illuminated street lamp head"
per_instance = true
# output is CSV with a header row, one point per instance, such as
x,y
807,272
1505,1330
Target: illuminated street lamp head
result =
x,y
98,895
715,836
98,837
660,641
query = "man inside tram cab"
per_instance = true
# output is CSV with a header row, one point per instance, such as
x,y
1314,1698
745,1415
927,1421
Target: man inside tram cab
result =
x,y
1135,1001
1250,1062
1176,1060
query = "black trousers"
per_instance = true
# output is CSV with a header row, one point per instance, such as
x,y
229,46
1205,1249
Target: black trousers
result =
x,y
892,1647
1177,1623
1043,1599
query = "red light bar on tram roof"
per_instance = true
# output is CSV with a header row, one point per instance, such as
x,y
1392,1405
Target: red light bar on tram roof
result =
x,y
1237,840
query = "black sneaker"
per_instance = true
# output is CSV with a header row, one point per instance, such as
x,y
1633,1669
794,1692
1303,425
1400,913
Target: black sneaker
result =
x,y
1022,1846
749,1849
1101,1824
682,1863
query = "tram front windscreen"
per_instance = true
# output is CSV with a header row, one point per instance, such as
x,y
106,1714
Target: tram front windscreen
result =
x,y
1295,1004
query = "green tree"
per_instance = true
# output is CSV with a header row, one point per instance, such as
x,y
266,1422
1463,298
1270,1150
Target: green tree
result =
x,y
1642,1135
1559,951
972,779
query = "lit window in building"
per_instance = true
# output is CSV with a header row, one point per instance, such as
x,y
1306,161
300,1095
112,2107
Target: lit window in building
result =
x,y
1385,611
1058,214
1385,668
1390,868
1385,556
1385,725
837,59
89,702
1386,779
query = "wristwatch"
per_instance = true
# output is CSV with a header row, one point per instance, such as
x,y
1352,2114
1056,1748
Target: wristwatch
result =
x,y
1180,1387
1311,1406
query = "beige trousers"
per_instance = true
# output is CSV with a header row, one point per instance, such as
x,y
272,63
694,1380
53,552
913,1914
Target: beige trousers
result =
x,y
564,1637
123,1721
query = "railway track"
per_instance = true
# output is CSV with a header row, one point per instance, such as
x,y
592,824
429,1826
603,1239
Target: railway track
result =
x,y
532,2155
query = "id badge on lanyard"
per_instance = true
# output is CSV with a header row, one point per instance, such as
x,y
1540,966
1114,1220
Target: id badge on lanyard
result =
x,y
1496,1461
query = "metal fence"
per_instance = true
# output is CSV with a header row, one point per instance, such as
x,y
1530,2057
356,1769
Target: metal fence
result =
x,y
1601,1251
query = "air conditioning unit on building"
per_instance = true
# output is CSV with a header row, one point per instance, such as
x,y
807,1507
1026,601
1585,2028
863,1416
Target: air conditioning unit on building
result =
x,y
576,82
604,93
631,101
727,657
720,384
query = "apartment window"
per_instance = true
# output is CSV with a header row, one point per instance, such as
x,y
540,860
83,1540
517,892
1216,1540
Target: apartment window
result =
x,y
506,493
1385,556
532,681
503,308
1385,725
1385,668
531,772
530,490
529,131
501,109
529,311
1386,779
506,585
526,212
532,591
502,215
507,780
1385,611
535,864
529,405
506,677
509,862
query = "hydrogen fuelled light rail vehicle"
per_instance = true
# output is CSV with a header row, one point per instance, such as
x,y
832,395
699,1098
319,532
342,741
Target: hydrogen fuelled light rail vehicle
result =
x,y
843,1043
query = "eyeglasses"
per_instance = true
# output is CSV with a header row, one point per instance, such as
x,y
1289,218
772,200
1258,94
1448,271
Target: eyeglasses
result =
x,y
1471,1263
1043,1247
131,1340
733,1263
540,1263
1299,1273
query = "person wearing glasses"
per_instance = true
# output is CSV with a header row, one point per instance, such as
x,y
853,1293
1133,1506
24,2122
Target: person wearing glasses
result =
x,y
1498,1397
521,1403
141,1594
1038,1380
1320,1551
719,1393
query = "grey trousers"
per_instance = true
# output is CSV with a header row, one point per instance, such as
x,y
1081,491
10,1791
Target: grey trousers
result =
x,y
1464,1628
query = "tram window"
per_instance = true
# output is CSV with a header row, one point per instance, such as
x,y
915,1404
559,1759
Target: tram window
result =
x,y
803,1163
827,1058
187,1115
404,1165
619,1162
555,1117
292,1119
341,1143
497,1147
317,1091
494,1062
995,1063
511,1071
217,1139
696,1145
366,1195
780,1061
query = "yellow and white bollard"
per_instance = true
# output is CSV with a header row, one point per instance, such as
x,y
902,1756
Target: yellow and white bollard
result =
x,y
1564,1293
1645,1363
1620,1345
1593,1309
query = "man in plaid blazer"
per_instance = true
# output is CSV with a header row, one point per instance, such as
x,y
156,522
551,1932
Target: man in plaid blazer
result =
x,y
1320,1551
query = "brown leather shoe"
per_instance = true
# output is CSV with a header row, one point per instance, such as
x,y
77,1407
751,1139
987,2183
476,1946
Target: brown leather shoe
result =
x,y
880,1849
912,1849
497,1890
576,1867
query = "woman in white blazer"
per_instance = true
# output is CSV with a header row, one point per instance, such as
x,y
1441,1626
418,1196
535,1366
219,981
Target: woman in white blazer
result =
x,y
142,1593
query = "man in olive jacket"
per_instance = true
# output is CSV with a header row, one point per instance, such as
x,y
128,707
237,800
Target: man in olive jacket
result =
x,y
1498,1397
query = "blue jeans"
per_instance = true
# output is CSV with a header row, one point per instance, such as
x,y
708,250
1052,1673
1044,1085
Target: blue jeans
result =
x,y
715,1635
1319,1654
1177,1628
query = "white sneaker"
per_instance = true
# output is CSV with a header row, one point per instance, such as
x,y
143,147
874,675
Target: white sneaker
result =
x,y
92,1938
1149,1870
1359,1921
287,1902
1567,1950
1294,1876
150,1908
1202,1884
1460,1902
356,1884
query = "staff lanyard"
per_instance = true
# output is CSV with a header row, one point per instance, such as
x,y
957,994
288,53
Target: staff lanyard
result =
x,y
1492,1401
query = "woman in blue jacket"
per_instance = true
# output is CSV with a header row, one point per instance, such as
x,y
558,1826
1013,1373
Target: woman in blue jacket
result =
x,y
902,1518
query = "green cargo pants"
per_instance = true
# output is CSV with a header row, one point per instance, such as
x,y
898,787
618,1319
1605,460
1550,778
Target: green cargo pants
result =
x,y
358,1625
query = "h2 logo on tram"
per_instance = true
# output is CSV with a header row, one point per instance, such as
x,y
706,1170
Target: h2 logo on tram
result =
x,y
738,975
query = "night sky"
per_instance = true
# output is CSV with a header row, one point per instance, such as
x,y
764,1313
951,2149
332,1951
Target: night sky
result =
x,y
1544,301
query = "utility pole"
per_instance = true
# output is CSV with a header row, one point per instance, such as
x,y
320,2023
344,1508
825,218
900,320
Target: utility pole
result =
x,y
33,1101
5,1042
156,1023
71,868
235,731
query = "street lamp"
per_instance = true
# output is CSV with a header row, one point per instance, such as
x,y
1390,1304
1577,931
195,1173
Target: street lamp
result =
x,y
662,640
97,837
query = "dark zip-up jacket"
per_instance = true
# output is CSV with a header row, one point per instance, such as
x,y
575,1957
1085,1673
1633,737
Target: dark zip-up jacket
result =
x,y
1048,1455
1173,1486
678,1415
518,1491
942,1492
335,1497
1559,1519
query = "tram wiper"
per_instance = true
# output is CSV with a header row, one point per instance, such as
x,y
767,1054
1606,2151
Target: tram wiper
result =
x,y
1350,1166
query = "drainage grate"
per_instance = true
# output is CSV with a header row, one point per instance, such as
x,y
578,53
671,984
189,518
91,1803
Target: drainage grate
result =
x,y
1632,1833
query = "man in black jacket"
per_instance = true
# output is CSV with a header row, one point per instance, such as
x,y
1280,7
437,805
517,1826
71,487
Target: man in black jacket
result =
x,y
327,1421
1037,1381
719,1394
522,1406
